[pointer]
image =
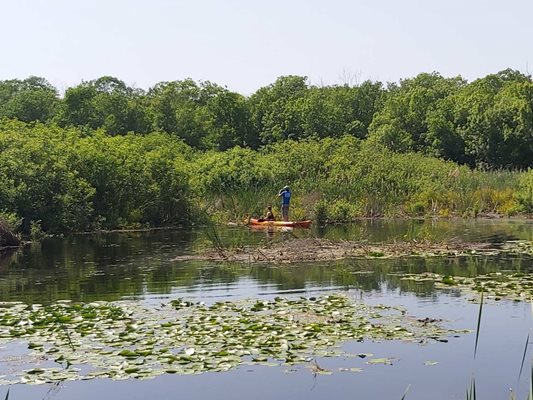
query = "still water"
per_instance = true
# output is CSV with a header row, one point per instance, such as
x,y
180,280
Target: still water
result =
x,y
139,266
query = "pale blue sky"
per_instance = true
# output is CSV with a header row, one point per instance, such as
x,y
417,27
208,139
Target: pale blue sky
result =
x,y
247,44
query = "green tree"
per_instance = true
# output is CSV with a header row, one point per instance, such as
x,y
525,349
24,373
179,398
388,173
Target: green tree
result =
x,y
137,179
31,99
275,111
402,124
492,115
205,115
106,103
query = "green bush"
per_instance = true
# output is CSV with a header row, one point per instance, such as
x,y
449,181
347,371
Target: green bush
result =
x,y
71,180
524,194
320,212
340,211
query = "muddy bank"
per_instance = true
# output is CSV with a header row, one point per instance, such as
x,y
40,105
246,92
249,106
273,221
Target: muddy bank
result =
x,y
308,250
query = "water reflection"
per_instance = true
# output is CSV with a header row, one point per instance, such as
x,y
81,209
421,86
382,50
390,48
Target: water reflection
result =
x,y
139,264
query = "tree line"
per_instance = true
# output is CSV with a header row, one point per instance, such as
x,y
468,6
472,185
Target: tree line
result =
x,y
487,123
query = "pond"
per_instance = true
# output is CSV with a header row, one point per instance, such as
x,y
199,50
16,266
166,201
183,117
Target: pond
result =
x,y
137,269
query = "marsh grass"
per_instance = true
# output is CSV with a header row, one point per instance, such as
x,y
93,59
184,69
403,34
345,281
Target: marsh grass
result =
x,y
215,239
376,185
241,205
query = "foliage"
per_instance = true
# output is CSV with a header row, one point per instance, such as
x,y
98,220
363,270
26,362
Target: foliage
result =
x,y
32,99
204,115
290,109
487,123
402,124
106,103
341,179
70,182
39,182
11,221
9,225
525,191
346,152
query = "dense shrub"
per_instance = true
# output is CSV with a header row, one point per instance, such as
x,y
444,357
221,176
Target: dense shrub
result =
x,y
65,179
525,191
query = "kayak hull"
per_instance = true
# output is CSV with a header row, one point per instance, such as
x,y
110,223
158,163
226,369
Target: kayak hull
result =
x,y
289,224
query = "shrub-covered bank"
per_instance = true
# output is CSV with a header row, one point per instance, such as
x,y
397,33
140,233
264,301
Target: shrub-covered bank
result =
x,y
67,179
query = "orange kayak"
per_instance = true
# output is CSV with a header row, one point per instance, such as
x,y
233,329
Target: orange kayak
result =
x,y
291,224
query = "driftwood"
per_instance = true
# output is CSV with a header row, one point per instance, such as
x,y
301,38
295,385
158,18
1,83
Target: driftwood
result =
x,y
8,238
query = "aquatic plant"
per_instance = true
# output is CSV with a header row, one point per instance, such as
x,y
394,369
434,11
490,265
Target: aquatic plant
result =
x,y
478,327
128,340
494,286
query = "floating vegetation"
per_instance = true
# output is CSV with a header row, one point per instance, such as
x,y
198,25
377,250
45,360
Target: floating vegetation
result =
x,y
495,286
122,340
315,249
385,361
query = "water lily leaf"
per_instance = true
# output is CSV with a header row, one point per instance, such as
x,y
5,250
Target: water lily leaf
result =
x,y
125,340
128,353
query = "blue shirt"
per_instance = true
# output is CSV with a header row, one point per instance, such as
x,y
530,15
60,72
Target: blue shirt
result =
x,y
285,197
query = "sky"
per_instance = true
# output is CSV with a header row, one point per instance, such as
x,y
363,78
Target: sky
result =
x,y
247,44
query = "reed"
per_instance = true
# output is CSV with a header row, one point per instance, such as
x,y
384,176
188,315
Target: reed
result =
x,y
478,328
471,391
523,358
406,391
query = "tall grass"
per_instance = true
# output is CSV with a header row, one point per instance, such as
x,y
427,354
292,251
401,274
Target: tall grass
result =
x,y
341,180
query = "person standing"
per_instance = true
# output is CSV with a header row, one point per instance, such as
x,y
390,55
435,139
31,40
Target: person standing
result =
x,y
285,195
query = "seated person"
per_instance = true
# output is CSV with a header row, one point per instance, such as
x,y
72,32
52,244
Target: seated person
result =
x,y
270,215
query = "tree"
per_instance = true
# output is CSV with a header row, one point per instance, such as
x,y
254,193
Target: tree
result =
x,y
204,115
28,100
402,124
106,103
273,110
493,117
